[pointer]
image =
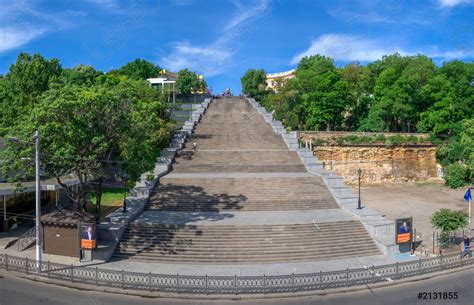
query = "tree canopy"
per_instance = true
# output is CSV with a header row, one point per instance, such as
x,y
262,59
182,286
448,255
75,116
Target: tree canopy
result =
x,y
139,69
26,80
92,125
253,83
189,82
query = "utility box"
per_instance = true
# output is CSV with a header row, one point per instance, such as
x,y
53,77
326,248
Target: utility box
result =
x,y
62,232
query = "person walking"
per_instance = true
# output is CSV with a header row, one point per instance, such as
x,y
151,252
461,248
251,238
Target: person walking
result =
x,y
466,247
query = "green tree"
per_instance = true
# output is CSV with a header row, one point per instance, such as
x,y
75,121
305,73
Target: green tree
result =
x,y
398,102
189,82
26,80
323,92
80,75
139,69
93,132
254,83
2,104
448,221
467,141
456,175
285,104
359,80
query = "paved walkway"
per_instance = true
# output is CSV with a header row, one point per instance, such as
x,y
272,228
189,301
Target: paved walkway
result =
x,y
250,269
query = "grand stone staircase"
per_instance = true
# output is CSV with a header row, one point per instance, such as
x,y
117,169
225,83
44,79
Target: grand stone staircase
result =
x,y
242,197
245,244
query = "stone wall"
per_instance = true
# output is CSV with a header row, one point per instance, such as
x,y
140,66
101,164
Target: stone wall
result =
x,y
379,163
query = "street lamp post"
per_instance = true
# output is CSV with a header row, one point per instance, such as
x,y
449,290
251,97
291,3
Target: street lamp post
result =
x,y
359,174
39,249
124,208
38,198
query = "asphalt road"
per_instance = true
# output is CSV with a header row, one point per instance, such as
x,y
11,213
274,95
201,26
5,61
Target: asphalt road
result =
x,y
20,291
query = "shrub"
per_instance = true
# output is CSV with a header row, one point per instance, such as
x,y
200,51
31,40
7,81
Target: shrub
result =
x,y
381,138
318,141
395,140
352,138
413,139
456,175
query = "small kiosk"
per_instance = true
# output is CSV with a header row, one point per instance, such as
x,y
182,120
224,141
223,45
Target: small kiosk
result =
x,y
69,233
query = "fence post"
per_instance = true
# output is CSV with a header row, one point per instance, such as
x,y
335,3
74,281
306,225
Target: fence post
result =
x,y
373,274
96,276
123,280
26,265
347,277
72,273
433,242
49,270
177,282
441,261
419,266
320,279
293,282
6,262
264,284
235,283
149,281
396,270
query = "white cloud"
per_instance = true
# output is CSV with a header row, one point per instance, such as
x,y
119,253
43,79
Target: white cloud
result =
x,y
244,14
22,23
345,47
215,58
12,38
208,60
452,3
353,48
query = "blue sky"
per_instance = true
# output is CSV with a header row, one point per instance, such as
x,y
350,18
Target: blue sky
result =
x,y
223,38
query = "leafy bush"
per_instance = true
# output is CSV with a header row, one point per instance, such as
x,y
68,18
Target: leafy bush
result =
x,y
412,139
448,221
352,138
318,141
381,138
456,175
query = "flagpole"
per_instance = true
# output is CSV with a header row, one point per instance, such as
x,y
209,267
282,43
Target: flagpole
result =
x,y
470,203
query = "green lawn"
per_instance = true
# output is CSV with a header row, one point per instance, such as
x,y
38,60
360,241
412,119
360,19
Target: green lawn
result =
x,y
112,198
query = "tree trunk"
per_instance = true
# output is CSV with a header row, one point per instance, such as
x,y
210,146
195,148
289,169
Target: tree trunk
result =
x,y
98,197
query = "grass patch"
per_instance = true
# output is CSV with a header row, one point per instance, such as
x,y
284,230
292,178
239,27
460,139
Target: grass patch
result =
x,y
112,198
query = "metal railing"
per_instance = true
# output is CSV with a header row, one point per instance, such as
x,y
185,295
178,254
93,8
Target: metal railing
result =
x,y
26,239
232,284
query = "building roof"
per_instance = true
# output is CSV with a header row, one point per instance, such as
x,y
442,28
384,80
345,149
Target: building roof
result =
x,y
68,218
281,74
29,186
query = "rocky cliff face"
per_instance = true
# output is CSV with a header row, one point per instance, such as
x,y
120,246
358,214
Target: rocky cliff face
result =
x,y
379,163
